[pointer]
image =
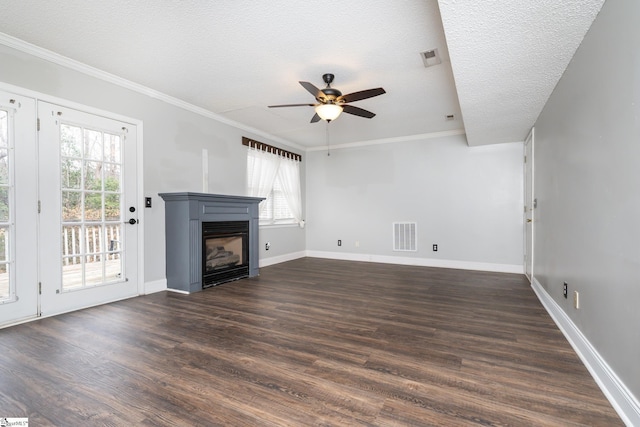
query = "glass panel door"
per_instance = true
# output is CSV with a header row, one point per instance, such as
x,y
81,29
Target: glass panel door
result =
x,y
7,286
95,160
91,195
18,209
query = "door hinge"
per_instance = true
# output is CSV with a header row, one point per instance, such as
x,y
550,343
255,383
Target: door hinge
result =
x,y
39,206
38,123
525,159
39,288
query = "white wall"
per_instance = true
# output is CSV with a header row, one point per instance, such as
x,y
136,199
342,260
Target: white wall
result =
x,y
467,200
173,143
587,182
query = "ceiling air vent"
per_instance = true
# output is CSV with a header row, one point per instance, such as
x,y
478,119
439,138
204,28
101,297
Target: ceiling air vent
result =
x,y
430,57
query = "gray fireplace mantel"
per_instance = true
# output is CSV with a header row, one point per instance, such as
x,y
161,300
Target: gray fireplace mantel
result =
x,y
184,215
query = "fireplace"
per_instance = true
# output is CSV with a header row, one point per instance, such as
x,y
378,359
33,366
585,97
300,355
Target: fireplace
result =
x,y
225,252
210,239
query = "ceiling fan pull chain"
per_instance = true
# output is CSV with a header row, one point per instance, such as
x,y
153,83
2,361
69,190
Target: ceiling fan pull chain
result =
x,y
328,143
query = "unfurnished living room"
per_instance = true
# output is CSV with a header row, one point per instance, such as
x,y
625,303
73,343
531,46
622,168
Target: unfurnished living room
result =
x,y
241,213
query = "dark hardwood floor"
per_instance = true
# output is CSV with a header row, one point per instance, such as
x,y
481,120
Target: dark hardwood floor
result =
x,y
309,342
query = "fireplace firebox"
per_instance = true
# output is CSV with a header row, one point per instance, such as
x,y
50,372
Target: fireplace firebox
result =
x,y
225,252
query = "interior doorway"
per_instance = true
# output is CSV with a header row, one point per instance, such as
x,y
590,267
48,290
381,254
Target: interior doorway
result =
x,y
529,205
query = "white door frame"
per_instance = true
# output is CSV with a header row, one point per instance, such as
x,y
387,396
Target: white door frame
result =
x,y
529,204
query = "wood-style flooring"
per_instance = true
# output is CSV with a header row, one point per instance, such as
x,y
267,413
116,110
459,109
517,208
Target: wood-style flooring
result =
x,y
310,342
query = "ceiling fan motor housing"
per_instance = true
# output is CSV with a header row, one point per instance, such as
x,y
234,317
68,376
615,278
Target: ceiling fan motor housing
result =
x,y
330,94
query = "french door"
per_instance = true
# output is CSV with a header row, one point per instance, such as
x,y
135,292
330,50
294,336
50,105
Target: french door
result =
x,y
18,212
88,209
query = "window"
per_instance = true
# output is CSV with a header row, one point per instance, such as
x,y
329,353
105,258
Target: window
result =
x,y
277,178
276,207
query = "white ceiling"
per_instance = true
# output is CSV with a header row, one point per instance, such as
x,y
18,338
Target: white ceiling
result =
x,y
507,57
235,57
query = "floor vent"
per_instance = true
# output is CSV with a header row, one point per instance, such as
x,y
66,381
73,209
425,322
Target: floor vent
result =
x,y
405,236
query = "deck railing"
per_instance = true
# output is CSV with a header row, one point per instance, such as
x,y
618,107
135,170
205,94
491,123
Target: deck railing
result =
x,y
72,238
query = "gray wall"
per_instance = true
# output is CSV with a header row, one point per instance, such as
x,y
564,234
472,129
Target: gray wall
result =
x,y
467,200
173,143
587,182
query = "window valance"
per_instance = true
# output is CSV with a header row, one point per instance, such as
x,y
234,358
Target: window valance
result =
x,y
270,149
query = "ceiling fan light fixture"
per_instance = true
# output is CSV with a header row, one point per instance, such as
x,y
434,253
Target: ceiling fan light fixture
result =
x,y
328,112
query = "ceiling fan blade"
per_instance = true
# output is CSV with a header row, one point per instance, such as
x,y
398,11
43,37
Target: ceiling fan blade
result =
x,y
356,111
312,89
291,105
363,94
315,118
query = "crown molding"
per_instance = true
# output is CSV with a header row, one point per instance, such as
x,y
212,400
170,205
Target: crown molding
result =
x,y
407,138
78,66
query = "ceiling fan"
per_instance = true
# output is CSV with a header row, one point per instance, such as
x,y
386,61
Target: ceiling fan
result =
x,y
331,102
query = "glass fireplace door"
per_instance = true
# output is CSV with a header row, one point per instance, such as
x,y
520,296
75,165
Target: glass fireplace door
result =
x,y
225,251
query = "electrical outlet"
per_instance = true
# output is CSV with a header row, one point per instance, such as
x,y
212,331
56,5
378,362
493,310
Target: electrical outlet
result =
x,y
267,246
435,248
357,243
565,290
339,242
576,300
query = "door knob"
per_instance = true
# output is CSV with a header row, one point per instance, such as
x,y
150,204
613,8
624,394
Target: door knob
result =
x,y
133,221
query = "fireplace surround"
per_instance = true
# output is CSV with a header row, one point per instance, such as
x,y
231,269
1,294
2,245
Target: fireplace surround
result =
x,y
193,218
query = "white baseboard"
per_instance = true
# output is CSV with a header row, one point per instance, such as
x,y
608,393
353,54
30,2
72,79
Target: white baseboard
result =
x,y
421,262
155,286
265,262
613,388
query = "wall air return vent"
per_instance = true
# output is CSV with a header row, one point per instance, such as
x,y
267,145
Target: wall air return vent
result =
x,y
430,57
405,236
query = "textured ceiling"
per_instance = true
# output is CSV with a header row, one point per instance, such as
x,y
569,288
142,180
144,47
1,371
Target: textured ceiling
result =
x,y
507,57
235,57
